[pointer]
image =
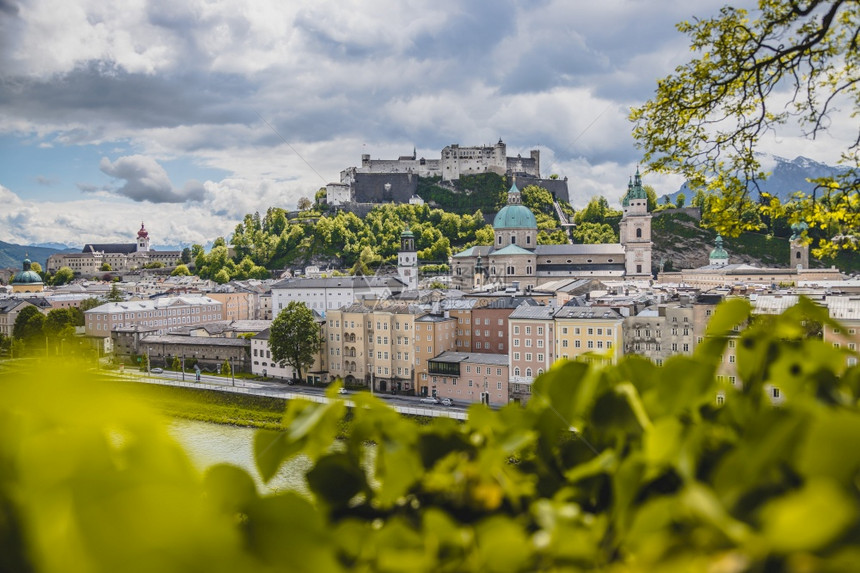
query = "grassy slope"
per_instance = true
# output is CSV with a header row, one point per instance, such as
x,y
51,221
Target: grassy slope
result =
x,y
213,406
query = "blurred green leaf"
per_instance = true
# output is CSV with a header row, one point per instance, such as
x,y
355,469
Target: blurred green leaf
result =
x,y
810,518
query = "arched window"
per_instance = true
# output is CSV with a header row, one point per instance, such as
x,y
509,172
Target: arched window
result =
x,y
797,255
517,371
513,239
638,233
529,372
500,239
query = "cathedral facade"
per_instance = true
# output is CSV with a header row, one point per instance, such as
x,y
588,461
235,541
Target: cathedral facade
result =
x,y
515,258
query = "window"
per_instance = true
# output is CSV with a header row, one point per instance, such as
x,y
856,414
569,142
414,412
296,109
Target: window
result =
x,y
516,355
776,392
528,356
516,342
516,330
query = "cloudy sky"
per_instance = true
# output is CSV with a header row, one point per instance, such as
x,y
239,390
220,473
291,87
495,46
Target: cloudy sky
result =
x,y
187,114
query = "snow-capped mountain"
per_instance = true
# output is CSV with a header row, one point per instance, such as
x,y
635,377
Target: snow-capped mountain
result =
x,y
787,176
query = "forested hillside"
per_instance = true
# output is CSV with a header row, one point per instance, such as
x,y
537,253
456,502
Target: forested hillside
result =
x,y
342,240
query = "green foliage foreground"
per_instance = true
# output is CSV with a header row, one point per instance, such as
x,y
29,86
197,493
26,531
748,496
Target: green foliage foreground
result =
x,y
630,467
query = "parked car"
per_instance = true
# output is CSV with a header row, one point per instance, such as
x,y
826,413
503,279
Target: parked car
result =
x,y
447,402
157,370
341,390
429,400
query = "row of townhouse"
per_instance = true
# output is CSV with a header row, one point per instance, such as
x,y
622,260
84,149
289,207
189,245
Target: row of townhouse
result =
x,y
400,347
160,314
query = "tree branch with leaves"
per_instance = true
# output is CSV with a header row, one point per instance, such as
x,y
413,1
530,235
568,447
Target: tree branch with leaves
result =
x,y
792,63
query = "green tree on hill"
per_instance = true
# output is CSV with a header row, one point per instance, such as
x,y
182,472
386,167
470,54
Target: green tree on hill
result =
x,y
62,276
180,271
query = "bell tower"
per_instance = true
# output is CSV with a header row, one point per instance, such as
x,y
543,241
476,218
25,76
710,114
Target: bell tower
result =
x,y
635,230
407,260
799,247
142,239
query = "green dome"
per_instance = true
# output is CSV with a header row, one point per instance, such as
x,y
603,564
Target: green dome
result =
x,y
797,230
634,190
407,233
27,278
514,215
719,252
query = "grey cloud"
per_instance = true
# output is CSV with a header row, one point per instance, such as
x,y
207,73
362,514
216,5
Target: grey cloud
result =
x,y
96,98
8,8
89,188
146,180
46,181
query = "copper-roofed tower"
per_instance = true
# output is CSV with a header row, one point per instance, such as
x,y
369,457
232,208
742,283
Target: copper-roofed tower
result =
x,y
719,256
515,224
142,239
635,230
799,246
27,280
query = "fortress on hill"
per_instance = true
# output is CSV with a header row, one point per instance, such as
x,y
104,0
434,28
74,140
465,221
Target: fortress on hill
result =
x,y
385,180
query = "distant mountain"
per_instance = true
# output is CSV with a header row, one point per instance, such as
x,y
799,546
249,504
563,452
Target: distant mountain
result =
x,y
12,255
787,176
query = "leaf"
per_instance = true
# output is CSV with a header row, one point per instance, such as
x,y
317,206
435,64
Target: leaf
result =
x,y
335,479
663,442
810,518
271,449
728,314
605,463
831,446
502,545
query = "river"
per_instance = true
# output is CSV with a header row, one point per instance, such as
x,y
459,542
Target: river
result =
x,y
209,444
